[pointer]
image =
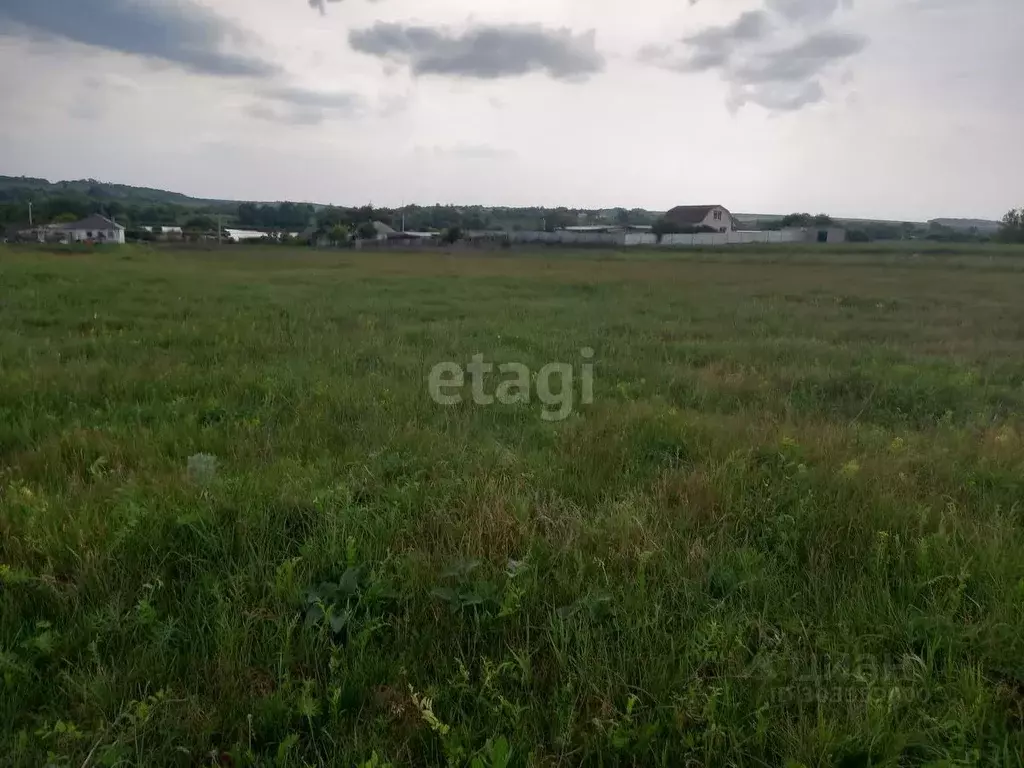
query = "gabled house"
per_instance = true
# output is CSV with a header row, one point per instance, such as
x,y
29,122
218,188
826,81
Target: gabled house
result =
x,y
714,217
383,230
93,229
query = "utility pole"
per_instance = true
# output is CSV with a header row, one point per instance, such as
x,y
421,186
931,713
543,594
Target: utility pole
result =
x,y
30,213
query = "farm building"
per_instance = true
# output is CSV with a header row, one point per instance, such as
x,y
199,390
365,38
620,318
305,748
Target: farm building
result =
x,y
714,216
164,233
95,228
383,230
606,229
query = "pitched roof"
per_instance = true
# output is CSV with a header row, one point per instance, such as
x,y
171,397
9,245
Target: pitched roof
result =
x,y
382,228
690,214
92,223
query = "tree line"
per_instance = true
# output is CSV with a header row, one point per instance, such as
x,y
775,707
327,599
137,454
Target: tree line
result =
x,y
137,207
1012,229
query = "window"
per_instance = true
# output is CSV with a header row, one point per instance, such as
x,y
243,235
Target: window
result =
x,y
88,234
718,215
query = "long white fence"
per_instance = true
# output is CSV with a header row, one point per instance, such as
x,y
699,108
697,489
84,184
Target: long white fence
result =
x,y
563,237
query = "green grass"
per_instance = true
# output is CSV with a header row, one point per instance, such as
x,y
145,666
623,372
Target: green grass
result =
x,y
788,531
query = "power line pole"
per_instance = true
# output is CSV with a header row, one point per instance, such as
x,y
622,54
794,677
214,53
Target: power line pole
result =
x,y
30,213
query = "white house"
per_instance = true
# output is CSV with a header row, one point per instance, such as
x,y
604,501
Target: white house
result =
x,y
383,230
94,229
715,217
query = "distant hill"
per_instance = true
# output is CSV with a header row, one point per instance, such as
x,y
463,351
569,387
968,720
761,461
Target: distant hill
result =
x,y
984,226
84,196
12,187
750,218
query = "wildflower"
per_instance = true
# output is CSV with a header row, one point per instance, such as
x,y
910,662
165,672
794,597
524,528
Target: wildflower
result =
x,y
202,468
850,469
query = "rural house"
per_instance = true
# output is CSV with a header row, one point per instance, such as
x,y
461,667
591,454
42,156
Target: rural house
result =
x,y
713,216
95,228
383,230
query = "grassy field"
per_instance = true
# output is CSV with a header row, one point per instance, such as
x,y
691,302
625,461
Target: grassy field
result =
x,y
236,530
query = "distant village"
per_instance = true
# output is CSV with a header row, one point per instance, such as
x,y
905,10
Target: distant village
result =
x,y
686,225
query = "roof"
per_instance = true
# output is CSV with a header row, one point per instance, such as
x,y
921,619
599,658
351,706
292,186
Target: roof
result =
x,y
412,235
691,214
594,228
382,228
92,222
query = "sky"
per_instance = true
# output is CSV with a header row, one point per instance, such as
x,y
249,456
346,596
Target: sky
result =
x,y
893,109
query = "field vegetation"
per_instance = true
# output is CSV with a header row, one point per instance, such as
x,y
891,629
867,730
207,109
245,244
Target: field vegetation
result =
x,y
236,530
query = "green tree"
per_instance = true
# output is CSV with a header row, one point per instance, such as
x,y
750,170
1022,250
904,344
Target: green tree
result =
x,y
366,231
1012,227
337,235
201,223
452,235
64,218
797,220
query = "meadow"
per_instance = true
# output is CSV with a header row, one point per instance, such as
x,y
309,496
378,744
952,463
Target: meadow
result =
x,y
236,530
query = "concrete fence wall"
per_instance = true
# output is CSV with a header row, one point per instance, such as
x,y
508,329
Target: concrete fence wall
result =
x,y
562,237
641,238
618,239
732,238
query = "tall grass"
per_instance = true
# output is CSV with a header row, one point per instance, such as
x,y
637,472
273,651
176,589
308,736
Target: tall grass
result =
x,y
234,528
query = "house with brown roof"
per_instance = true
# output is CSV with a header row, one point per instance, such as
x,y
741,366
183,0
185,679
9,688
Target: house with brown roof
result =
x,y
715,217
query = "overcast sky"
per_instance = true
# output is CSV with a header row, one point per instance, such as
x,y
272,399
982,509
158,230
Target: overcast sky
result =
x,y
904,109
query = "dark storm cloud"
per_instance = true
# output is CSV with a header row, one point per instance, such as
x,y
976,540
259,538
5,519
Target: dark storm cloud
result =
x,y
177,31
483,52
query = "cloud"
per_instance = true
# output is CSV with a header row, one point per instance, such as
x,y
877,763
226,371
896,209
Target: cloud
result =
x,y
799,62
302,97
798,10
181,32
755,62
466,151
321,5
711,48
778,97
752,25
295,116
484,52
293,105
807,10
